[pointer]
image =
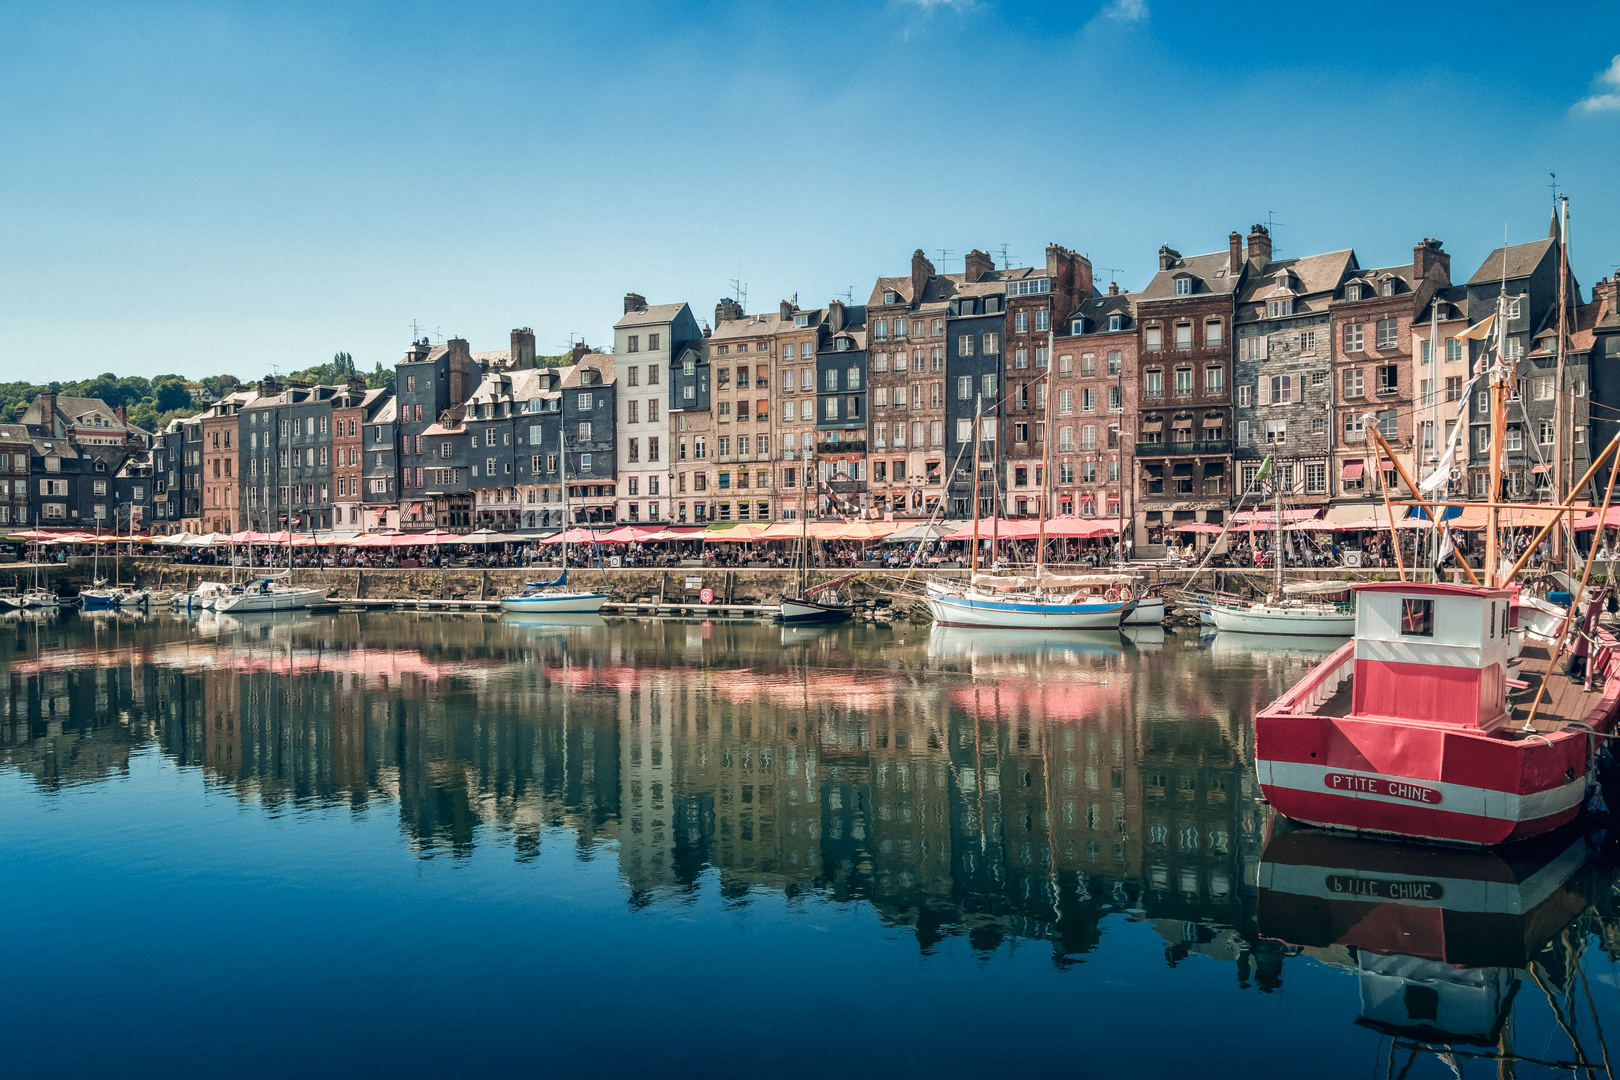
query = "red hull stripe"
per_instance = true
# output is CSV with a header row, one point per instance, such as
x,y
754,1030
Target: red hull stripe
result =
x,y
1460,799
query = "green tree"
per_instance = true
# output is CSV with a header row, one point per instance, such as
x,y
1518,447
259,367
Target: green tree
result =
x,y
381,378
169,393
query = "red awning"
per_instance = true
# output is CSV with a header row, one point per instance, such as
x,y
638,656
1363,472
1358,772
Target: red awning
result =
x,y
1352,471
416,509
1387,465
1540,468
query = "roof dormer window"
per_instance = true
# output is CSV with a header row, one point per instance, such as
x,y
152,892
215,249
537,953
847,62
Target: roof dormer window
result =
x,y
801,321
1387,288
1276,309
841,345
1116,322
1352,292
889,297
1184,286
1078,326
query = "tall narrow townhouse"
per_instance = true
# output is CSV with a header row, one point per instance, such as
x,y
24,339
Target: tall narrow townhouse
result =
x,y
14,459
644,342
1184,438
691,422
539,463
354,409
1284,371
1527,275
380,465
841,414
905,320
975,328
1377,380
492,428
1094,411
1038,298
287,458
1602,322
798,340
590,439
742,359
221,493
429,381
191,441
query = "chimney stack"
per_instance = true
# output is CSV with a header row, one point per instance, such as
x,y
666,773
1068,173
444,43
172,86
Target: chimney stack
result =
x,y
119,412
1234,252
921,271
358,385
523,347
1168,257
460,363
727,310
1259,244
634,302
787,310
1608,290
979,265
1113,288
580,350
268,387
47,413
1430,255
835,316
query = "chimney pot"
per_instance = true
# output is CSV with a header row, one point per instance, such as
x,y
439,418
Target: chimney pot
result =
x,y
634,302
978,266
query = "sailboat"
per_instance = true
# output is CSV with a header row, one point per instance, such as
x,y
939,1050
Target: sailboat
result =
x,y
39,598
1281,613
553,597
1041,601
1447,716
268,593
810,606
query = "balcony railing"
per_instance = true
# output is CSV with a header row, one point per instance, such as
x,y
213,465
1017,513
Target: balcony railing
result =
x,y
1201,448
849,447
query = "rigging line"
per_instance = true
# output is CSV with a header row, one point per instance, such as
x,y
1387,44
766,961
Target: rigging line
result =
x,y
1603,1046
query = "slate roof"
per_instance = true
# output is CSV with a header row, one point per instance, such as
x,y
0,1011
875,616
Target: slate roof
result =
x,y
1210,271
651,315
1522,260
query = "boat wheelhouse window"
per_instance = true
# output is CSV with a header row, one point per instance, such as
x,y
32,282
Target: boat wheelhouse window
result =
x,y
1493,618
1417,617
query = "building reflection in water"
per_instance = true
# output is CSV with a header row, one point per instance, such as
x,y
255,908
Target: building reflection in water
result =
x,y
998,787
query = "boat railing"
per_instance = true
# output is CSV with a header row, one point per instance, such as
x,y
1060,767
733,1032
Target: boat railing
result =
x,y
1319,687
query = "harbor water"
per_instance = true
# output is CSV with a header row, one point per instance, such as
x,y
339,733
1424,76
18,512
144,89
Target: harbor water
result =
x,y
396,843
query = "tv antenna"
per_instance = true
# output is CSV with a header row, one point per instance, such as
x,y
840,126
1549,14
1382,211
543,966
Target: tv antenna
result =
x,y
849,296
739,289
1006,264
1114,273
1271,228
944,253
416,331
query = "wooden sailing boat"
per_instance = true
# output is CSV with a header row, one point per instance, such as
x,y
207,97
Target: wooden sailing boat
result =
x,y
812,605
1447,716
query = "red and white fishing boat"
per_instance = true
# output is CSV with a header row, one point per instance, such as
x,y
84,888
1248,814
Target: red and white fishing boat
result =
x,y
1442,719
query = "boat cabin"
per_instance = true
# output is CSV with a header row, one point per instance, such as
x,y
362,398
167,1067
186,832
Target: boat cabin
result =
x,y
1435,654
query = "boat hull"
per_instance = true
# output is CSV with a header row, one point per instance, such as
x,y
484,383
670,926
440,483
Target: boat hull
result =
x,y
794,610
985,613
274,600
1425,781
1149,611
1297,622
581,603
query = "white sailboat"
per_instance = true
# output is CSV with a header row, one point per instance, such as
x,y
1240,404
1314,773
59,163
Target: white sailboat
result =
x,y
554,597
269,594
815,603
1041,601
1281,612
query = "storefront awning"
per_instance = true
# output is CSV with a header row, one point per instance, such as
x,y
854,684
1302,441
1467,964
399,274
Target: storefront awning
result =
x,y
1387,465
1352,471
1540,468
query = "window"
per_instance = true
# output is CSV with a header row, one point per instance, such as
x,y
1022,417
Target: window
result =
x,y
1088,400
1453,350
1387,423
1353,341
1021,322
899,328
652,342
1386,376
964,345
1066,439
1212,334
1184,382
1515,438
1353,382
633,344
1184,335
1153,383
1184,286
989,383
992,344
634,375
410,384
584,431
1277,309
1065,401
1276,432
1213,380
1088,437
1282,389
1115,402
1154,339
1243,396
852,379
1386,333
1417,617
1243,433
632,411
652,451
652,376
1546,433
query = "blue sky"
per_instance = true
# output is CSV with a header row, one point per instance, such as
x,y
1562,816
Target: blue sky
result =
x,y
251,187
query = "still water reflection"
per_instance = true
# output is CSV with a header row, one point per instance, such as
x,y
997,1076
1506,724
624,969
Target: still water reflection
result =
x,y
1048,832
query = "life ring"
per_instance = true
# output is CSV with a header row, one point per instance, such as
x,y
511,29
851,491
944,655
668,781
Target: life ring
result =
x,y
1112,596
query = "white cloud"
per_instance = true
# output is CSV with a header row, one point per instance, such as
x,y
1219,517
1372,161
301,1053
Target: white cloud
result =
x,y
1128,11
1604,102
929,5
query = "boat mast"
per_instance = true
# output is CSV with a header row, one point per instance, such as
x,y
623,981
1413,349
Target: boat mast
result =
x,y
1276,553
1560,412
1498,382
804,526
1046,460
978,405
562,465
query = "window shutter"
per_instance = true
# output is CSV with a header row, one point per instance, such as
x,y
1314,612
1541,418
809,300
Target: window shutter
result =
x,y
1263,392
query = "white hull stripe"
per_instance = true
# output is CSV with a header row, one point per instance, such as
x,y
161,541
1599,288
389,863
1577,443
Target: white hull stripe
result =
x,y
1454,798
1419,890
